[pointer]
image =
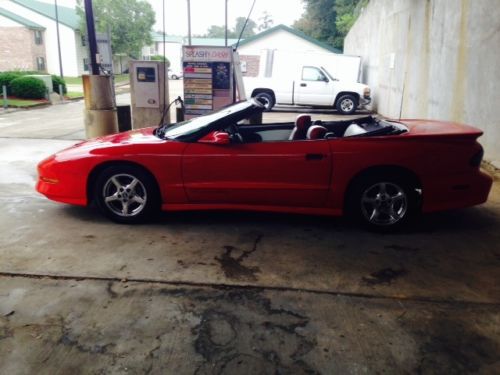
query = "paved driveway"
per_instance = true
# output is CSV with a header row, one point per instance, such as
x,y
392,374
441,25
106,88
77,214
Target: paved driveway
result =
x,y
226,293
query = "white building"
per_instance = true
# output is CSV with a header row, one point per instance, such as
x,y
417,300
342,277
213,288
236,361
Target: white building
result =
x,y
254,49
280,37
73,49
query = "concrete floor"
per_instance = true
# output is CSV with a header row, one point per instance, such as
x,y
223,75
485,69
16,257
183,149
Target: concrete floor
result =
x,y
234,293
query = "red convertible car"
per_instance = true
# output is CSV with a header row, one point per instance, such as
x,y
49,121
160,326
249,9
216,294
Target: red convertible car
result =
x,y
380,171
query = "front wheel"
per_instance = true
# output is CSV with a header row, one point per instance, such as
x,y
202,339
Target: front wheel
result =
x,y
126,194
383,203
347,104
266,99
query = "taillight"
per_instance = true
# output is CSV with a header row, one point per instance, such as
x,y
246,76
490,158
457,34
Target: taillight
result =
x,y
477,158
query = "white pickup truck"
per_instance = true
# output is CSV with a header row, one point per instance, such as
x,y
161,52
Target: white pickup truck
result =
x,y
312,86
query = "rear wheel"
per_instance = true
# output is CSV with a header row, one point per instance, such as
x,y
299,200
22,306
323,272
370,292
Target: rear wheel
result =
x,y
267,99
347,104
174,76
383,203
126,194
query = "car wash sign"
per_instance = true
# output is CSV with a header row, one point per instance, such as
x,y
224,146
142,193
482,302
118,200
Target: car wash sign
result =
x,y
208,75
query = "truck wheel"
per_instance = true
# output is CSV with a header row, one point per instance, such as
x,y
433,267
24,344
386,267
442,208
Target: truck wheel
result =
x,y
347,104
266,99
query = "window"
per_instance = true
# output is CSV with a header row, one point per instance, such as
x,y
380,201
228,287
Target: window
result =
x,y
310,73
84,40
86,64
38,37
40,64
243,66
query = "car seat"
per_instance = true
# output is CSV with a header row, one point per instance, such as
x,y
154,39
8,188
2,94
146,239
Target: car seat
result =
x,y
302,124
316,132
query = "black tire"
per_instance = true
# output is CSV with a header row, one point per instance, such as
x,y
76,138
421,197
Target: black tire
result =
x,y
174,76
116,182
347,104
367,204
267,99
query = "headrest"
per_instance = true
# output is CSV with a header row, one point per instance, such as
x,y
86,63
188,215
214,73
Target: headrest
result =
x,y
303,121
316,132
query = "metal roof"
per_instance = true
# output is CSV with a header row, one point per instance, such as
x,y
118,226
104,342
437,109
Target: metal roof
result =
x,y
196,41
295,32
67,16
21,20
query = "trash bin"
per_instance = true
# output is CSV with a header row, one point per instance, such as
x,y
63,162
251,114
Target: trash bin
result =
x,y
124,118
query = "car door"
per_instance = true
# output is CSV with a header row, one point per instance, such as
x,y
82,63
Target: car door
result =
x,y
285,173
314,88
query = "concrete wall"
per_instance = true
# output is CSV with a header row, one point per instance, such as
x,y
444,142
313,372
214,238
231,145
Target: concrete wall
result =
x,y
435,59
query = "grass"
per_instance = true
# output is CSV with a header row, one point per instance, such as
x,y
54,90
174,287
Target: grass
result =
x,y
24,103
119,78
73,95
73,80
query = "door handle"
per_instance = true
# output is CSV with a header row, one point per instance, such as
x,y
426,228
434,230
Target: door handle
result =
x,y
303,84
314,156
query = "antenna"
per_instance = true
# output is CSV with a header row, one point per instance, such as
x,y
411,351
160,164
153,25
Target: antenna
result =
x,y
244,25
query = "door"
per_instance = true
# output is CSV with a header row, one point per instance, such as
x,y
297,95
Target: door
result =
x,y
285,173
314,88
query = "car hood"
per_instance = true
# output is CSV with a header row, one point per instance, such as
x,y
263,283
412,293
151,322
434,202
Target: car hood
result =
x,y
111,143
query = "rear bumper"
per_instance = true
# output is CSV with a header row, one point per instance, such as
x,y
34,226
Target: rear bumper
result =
x,y
456,191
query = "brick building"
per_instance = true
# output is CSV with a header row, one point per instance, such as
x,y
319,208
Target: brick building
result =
x,y
22,43
20,49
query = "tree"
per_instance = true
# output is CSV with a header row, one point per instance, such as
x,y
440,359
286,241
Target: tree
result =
x,y
216,31
266,21
249,29
130,23
329,20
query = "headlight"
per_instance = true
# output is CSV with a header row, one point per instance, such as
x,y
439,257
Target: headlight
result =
x,y
366,92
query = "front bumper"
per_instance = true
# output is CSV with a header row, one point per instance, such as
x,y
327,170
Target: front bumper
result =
x,y
61,183
364,101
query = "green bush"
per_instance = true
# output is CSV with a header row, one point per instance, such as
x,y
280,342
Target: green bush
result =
x,y
56,81
161,58
28,88
5,80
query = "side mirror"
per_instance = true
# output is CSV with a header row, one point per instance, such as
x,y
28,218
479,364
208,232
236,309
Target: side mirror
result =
x,y
217,138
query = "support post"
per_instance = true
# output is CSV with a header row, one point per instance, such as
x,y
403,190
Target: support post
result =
x,y
61,93
4,94
89,16
58,40
225,23
189,21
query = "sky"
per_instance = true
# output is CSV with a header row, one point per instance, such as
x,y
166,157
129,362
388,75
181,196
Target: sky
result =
x,y
205,13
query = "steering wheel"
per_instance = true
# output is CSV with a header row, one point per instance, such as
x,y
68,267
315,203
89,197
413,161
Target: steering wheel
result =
x,y
234,135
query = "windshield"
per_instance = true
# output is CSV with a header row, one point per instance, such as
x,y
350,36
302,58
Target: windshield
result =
x,y
327,73
188,127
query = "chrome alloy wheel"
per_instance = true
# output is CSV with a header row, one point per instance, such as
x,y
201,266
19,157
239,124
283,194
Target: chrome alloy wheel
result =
x,y
384,203
347,105
124,195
